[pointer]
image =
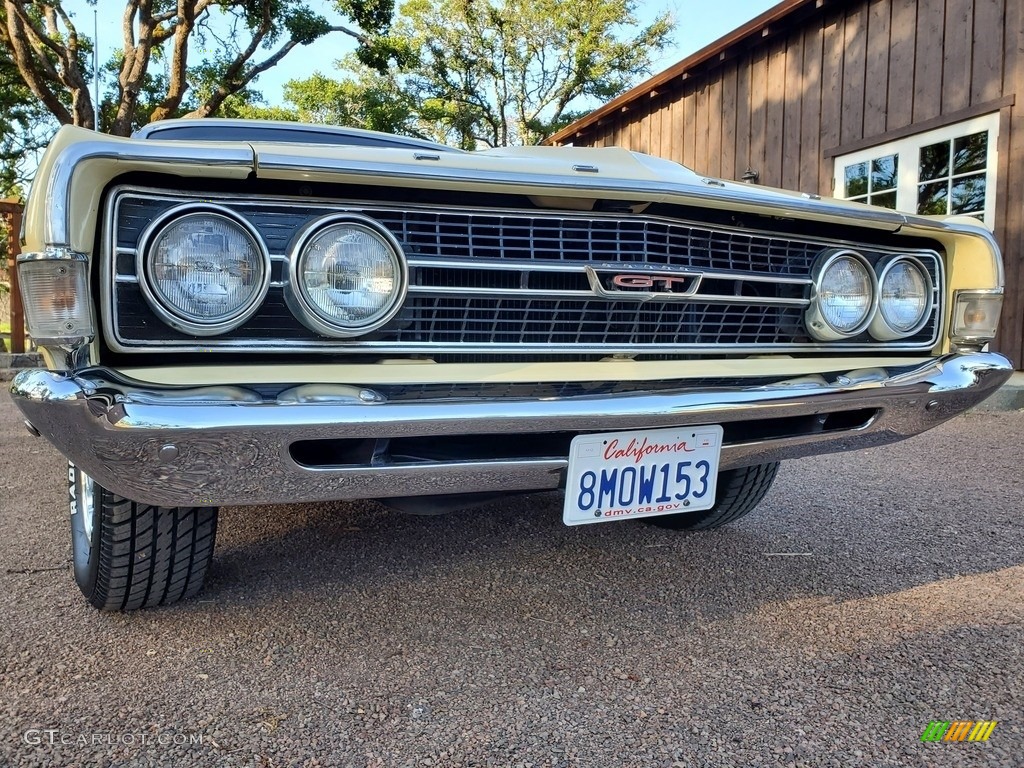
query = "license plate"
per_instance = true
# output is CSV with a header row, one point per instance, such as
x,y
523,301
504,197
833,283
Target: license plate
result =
x,y
649,472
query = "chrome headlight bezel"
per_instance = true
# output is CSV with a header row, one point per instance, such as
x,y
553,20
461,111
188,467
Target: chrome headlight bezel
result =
x,y
880,328
306,310
815,321
162,307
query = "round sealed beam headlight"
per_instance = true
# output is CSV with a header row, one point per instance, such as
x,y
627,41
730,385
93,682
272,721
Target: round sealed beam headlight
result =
x,y
845,292
202,270
347,276
904,298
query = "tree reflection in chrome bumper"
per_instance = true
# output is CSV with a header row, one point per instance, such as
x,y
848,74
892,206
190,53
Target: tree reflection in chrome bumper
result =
x,y
229,445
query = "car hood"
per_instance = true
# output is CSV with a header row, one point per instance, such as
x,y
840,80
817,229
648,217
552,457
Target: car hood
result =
x,y
557,177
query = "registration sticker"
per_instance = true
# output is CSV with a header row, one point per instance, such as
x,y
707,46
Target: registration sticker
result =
x,y
619,475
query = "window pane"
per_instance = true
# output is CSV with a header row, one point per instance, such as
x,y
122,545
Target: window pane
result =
x,y
931,198
856,180
883,173
885,200
970,152
968,194
934,161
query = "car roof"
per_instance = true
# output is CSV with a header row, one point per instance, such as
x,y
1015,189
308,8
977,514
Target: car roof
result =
x,y
227,129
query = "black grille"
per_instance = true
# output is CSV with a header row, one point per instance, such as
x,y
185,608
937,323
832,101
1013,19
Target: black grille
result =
x,y
532,322
538,251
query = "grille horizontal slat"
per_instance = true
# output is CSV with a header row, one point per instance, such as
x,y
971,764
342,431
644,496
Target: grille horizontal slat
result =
x,y
515,280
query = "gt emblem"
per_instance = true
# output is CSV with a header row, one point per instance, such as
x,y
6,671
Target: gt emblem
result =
x,y
640,286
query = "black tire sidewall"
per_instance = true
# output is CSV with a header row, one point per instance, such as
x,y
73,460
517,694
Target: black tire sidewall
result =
x,y
84,550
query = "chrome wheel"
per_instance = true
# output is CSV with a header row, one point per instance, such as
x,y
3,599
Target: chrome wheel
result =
x,y
85,500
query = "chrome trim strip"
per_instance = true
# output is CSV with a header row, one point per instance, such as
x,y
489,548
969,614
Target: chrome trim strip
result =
x,y
576,267
233,444
532,293
339,346
51,254
57,227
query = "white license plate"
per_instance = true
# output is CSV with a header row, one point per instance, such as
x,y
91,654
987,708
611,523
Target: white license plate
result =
x,y
649,472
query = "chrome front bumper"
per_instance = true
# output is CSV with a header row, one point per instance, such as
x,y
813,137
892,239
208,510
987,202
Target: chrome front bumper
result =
x,y
229,445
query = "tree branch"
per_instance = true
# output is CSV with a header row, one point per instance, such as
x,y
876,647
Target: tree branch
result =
x,y
178,81
137,52
237,77
33,66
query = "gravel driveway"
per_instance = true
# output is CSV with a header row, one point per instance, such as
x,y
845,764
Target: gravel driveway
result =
x,y
871,593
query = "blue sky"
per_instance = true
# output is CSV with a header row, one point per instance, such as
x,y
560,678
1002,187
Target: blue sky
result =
x,y
698,22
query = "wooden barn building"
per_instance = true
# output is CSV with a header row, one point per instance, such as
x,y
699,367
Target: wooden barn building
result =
x,y
911,104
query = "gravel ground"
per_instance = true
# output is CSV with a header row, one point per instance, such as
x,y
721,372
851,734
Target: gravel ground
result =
x,y
346,635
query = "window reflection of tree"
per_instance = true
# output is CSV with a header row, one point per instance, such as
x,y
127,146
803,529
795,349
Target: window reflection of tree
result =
x,y
943,160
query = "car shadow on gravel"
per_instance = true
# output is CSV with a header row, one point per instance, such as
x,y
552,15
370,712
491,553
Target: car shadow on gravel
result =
x,y
841,542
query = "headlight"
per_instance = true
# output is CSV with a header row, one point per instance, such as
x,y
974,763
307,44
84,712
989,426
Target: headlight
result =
x,y
904,299
844,296
203,272
346,276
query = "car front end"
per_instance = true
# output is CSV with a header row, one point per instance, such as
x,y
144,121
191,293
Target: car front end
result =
x,y
248,323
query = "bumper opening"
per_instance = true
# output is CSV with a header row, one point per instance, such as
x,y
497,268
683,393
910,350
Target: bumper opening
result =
x,y
340,453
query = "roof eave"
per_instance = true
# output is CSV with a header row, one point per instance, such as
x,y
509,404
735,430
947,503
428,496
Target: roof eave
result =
x,y
760,26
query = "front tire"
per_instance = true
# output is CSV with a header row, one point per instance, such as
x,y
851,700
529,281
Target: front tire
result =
x,y
737,493
129,555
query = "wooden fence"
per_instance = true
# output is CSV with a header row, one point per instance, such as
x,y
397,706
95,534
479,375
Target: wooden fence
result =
x,y
12,210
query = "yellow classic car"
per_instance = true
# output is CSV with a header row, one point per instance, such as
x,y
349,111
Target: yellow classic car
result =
x,y
237,312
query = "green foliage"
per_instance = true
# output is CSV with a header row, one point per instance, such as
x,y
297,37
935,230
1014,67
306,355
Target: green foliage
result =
x,y
25,127
370,103
304,26
373,16
180,57
487,72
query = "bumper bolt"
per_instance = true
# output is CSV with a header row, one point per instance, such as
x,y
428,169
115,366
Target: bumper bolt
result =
x,y
168,452
369,396
931,405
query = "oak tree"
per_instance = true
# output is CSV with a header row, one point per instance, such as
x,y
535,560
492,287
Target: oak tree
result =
x,y
491,72
207,51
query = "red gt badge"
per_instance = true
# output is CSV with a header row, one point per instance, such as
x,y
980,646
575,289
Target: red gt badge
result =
x,y
611,283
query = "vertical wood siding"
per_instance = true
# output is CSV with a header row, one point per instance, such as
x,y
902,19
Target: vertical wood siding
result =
x,y
851,71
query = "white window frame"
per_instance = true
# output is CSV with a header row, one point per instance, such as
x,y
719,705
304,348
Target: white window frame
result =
x,y
909,149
